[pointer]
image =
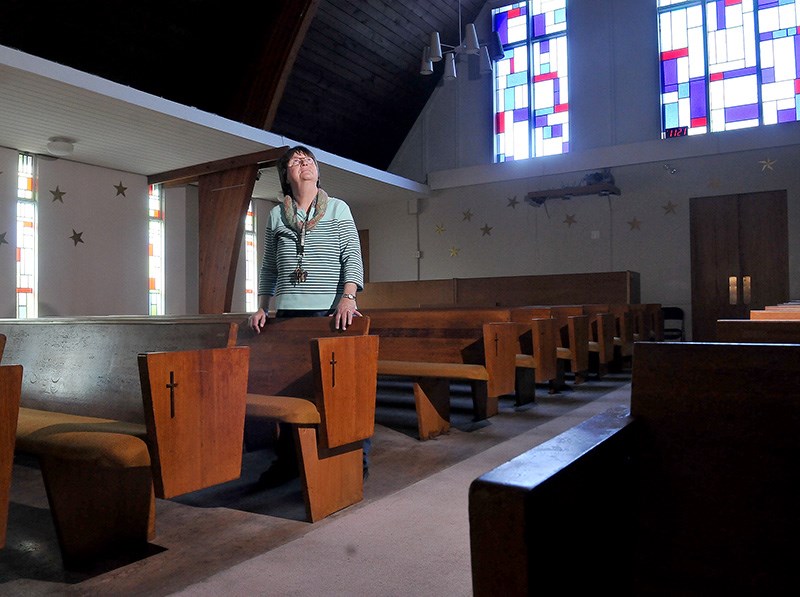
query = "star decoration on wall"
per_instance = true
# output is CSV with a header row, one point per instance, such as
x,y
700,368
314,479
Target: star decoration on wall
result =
x,y
468,216
76,237
669,208
120,189
454,251
512,202
635,224
58,195
570,220
487,230
767,164
3,240
440,228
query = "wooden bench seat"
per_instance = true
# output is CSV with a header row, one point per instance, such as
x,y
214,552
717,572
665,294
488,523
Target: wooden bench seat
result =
x,y
117,416
434,347
323,382
10,390
693,490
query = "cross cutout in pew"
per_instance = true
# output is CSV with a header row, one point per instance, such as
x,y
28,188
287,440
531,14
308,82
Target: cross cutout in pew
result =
x,y
496,345
333,369
172,385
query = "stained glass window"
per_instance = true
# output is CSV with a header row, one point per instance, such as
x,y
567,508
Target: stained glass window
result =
x,y
531,103
728,64
251,260
27,241
155,249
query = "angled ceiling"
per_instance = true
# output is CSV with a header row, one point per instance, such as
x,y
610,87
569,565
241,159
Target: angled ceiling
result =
x,y
352,86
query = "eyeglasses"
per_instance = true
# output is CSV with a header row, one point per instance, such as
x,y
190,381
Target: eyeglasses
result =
x,y
300,162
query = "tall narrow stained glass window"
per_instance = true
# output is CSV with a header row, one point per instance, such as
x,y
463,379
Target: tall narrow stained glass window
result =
x,y
155,249
251,260
27,241
728,64
531,98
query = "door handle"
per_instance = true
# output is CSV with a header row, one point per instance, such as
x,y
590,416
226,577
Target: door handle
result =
x,y
733,289
746,290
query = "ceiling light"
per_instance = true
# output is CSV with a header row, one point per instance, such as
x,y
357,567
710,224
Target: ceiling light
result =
x,y
468,44
60,146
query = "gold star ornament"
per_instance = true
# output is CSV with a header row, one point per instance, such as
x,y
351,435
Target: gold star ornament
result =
x,y
635,224
468,216
440,228
454,251
487,230
512,202
76,237
570,220
3,240
767,164
120,189
669,208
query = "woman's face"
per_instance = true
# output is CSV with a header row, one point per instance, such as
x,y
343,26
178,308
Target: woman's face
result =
x,y
301,168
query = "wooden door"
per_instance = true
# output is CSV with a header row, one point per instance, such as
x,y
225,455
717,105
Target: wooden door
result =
x,y
739,247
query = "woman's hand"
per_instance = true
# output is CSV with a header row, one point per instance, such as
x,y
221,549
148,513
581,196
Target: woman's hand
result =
x,y
345,311
258,320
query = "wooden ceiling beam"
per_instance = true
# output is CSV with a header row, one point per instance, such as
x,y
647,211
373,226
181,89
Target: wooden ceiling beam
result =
x,y
257,100
191,174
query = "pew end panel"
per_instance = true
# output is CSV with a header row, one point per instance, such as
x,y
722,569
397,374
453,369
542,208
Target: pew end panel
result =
x,y
194,403
536,362
346,378
10,390
294,363
542,522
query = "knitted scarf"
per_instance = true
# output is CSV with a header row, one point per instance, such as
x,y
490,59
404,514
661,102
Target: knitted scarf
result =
x,y
290,210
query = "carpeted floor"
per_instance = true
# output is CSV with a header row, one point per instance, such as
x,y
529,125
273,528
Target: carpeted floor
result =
x,y
408,536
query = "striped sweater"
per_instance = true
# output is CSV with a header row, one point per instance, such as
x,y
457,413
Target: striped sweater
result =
x,y
332,257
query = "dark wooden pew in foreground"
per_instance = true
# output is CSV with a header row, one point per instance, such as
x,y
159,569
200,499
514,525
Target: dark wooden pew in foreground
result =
x,y
120,410
694,491
10,388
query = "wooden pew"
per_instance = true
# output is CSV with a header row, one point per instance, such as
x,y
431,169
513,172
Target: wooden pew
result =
x,y
773,331
692,491
103,457
622,331
782,313
536,361
10,388
572,338
323,382
436,346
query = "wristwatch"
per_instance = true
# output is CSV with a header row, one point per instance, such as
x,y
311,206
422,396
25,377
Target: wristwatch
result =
x,y
347,295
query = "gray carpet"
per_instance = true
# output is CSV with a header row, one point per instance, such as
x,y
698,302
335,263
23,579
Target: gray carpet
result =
x,y
409,536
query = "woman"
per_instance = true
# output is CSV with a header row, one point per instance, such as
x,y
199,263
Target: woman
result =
x,y
312,257
311,265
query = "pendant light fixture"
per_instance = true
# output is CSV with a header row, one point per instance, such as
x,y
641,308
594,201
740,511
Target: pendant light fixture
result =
x,y
468,44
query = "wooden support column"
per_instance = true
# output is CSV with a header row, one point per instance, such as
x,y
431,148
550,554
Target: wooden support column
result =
x,y
224,197
225,190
